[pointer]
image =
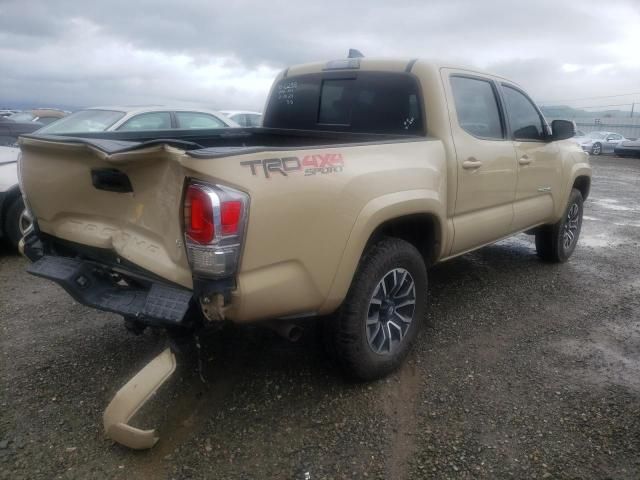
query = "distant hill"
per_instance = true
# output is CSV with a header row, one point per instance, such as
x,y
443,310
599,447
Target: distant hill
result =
x,y
564,111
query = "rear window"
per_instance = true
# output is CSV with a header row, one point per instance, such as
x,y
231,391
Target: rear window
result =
x,y
84,121
362,102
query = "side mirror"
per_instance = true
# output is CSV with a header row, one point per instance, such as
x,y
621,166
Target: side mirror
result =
x,y
562,129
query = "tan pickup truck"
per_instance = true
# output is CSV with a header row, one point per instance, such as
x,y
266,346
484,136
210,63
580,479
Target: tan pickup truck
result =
x,y
365,173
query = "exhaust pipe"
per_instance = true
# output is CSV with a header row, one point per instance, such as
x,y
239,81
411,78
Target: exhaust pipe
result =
x,y
290,331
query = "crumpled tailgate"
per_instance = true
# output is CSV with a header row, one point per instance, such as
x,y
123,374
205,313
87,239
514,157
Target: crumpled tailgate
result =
x,y
128,202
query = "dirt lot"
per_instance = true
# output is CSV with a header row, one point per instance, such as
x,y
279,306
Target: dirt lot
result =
x,y
525,370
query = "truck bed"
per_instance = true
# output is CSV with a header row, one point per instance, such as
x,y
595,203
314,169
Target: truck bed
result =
x,y
224,142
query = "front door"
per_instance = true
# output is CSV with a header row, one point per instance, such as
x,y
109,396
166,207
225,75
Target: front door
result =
x,y
486,161
539,165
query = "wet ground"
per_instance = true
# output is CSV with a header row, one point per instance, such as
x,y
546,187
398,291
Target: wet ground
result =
x,y
525,370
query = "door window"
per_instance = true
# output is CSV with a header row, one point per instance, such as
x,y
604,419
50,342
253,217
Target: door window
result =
x,y
525,120
477,107
195,120
148,121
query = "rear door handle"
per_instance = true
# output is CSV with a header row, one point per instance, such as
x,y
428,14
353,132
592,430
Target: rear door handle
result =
x,y
471,163
524,160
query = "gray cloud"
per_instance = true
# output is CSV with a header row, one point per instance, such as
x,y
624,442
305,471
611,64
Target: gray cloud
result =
x,y
225,53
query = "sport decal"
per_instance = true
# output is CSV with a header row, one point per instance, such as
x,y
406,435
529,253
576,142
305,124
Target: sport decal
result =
x,y
319,164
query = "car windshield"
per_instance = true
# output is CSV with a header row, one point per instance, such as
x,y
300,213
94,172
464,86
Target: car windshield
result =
x,y
596,135
84,121
22,117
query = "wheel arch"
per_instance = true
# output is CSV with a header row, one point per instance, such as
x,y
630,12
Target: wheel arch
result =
x,y
416,216
583,184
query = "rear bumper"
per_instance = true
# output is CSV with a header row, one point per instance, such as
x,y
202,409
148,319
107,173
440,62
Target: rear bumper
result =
x,y
99,287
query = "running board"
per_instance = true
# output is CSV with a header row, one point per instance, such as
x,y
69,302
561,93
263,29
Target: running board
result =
x,y
131,397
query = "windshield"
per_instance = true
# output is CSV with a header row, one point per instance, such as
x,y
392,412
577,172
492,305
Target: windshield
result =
x,y
22,117
596,135
84,121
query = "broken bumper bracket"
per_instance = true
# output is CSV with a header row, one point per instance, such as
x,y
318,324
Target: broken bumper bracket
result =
x,y
131,397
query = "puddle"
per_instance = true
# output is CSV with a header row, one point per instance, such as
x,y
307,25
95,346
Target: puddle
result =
x,y
610,355
599,240
611,204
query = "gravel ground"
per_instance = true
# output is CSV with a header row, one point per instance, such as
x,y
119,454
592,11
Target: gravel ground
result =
x,y
525,370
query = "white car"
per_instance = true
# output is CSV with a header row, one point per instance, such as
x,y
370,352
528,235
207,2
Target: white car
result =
x,y
122,119
14,219
244,118
597,143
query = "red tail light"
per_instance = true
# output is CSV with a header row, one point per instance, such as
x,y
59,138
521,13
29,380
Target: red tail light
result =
x,y
231,214
214,223
198,207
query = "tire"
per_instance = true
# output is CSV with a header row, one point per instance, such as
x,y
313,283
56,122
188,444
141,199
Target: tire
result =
x,y
14,222
596,149
367,337
556,243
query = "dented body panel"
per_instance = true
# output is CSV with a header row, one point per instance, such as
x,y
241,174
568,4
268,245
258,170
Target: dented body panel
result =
x,y
313,208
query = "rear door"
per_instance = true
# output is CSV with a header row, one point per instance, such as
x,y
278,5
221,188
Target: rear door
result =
x,y
539,167
486,161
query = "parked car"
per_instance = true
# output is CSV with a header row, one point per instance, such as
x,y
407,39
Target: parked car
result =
x,y
597,143
336,208
7,112
130,119
14,219
244,118
628,148
16,124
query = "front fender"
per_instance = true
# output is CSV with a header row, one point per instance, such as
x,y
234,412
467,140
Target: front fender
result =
x,y
580,168
375,213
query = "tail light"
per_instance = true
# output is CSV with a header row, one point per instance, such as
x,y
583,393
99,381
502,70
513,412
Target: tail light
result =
x,y
214,223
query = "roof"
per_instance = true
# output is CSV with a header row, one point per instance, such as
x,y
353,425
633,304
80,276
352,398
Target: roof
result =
x,y
237,112
152,108
400,64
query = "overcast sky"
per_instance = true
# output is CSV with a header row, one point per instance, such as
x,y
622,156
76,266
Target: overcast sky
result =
x,y
225,54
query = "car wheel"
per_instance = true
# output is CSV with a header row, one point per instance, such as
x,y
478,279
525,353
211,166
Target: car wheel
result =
x,y
596,149
16,222
373,331
556,243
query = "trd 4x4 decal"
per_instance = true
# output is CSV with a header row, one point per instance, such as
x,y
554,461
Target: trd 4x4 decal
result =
x,y
319,164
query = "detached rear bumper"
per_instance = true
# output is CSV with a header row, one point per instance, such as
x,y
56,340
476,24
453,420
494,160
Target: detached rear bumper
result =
x,y
99,287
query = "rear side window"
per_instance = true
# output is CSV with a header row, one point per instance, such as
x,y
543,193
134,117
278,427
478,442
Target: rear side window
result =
x,y
359,102
195,120
524,118
477,107
148,121
253,120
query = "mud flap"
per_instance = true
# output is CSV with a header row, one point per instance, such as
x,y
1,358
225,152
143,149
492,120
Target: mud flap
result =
x,y
131,397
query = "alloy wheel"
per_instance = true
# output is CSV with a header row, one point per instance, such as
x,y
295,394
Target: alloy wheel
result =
x,y
571,225
391,310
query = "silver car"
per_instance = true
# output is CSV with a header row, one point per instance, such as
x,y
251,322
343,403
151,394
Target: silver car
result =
x,y
597,143
129,119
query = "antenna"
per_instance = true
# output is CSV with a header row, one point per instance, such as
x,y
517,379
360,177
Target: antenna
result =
x,y
353,53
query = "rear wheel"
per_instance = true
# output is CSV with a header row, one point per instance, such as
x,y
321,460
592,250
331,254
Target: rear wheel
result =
x,y
16,222
556,243
373,331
